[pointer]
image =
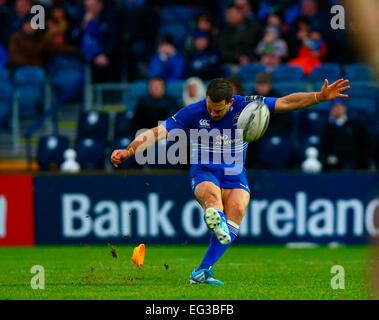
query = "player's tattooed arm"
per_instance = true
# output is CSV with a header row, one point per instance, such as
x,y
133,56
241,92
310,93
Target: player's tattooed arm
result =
x,y
304,100
142,142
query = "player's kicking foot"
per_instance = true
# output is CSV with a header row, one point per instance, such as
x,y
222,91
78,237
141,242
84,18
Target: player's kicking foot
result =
x,y
204,276
217,225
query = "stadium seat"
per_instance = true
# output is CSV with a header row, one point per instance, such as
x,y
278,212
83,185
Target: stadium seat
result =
x,y
175,89
67,75
178,31
305,143
363,100
137,90
311,122
330,71
29,83
4,75
359,72
93,125
124,126
274,151
174,14
174,21
50,152
90,153
5,103
287,73
249,71
286,88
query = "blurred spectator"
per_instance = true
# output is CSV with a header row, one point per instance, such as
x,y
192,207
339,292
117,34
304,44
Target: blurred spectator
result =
x,y
204,60
239,38
29,47
311,52
317,18
271,49
21,10
245,7
58,25
167,63
298,33
194,90
237,86
279,124
205,23
156,106
345,142
100,26
274,20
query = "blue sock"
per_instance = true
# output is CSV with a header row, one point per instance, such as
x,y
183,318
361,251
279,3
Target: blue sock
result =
x,y
216,249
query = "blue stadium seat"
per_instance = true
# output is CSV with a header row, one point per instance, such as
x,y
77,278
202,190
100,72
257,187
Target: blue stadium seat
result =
x,y
286,73
50,152
360,72
93,125
174,21
305,143
286,88
5,103
249,71
4,75
67,75
178,31
175,89
90,153
124,126
311,122
29,83
174,14
363,100
330,71
137,90
275,151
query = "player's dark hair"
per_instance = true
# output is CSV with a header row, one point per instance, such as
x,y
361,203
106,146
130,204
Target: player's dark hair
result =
x,y
220,89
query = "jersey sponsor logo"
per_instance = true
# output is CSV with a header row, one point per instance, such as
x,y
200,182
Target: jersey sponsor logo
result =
x,y
254,98
204,123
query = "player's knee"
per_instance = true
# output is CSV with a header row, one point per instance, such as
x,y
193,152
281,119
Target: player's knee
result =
x,y
213,201
236,209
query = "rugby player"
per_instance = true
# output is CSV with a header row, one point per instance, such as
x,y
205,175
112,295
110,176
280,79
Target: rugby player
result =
x,y
223,196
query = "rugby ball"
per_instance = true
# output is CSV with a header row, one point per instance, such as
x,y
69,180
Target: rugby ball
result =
x,y
253,121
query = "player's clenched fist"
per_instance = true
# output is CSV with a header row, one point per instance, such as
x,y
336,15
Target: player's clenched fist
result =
x,y
119,156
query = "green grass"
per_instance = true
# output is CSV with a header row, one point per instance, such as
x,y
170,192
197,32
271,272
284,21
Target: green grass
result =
x,y
249,272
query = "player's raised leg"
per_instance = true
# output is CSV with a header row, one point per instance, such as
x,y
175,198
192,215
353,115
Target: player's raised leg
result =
x,y
209,196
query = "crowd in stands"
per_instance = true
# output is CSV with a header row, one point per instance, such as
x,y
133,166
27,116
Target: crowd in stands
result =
x,y
173,39
193,41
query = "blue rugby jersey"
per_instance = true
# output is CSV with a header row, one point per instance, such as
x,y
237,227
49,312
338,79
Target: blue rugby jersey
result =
x,y
220,147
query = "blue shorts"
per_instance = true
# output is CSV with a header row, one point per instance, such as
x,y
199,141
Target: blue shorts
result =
x,y
200,173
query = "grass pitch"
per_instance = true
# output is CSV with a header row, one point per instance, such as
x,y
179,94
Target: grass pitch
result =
x,y
249,272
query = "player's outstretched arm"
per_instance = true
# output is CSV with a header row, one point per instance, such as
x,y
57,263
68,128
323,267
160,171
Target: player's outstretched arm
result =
x,y
142,142
301,100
